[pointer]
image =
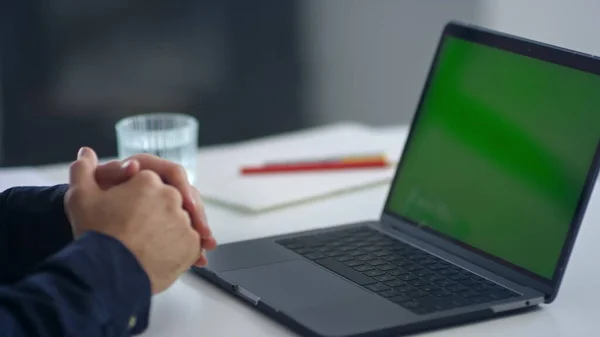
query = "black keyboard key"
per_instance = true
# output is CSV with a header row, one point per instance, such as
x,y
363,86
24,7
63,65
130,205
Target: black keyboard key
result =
x,y
394,283
384,278
400,299
412,267
363,268
377,287
458,277
435,267
399,249
479,299
457,301
408,277
373,272
386,267
427,262
314,256
389,258
445,283
468,282
334,253
480,287
434,304
423,272
428,287
447,272
441,293
382,253
389,293
416,256
468,293
457,288
366,257
384,243
376,262
345,271
402,262
312,244
405,288
353,263
433,278
344,258
417,282
397,272
293,244
371,249
304,250
355,252
416,293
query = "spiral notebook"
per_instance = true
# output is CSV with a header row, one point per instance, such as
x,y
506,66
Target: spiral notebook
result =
x,y
219,180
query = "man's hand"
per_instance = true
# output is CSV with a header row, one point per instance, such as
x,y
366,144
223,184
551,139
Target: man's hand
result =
x,y
116,172
144,213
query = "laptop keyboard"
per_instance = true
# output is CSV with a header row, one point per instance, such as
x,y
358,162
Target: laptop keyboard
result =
x,y
397,271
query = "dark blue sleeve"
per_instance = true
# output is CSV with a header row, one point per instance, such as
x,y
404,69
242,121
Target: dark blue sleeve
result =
x,y
33,226
93,287
43,271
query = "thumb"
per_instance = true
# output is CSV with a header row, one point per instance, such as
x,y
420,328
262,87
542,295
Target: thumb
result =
x,y
81,172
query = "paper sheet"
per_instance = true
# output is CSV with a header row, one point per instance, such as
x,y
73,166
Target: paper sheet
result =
x,y
219,180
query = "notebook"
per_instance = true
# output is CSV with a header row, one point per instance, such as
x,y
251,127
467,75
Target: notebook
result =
x,y
219,180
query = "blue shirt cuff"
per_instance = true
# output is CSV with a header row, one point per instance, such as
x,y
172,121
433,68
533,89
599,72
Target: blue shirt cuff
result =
x,y
114,276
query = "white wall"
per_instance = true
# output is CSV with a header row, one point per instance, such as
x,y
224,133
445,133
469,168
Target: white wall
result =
x,y
573,24
369,59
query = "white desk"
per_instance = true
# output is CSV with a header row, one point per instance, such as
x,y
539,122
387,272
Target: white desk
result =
x,y
193,307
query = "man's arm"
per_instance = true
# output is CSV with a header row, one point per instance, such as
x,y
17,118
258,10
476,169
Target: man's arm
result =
x,y
94,287
33,226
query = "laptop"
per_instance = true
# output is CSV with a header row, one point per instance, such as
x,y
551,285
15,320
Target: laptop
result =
x,y
482,213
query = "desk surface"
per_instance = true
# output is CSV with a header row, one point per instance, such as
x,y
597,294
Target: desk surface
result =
x,y
193,307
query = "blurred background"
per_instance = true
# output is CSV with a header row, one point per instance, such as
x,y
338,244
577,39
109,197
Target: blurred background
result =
x,y
69,69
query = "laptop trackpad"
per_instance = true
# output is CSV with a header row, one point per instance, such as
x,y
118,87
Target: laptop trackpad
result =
x,y
298,284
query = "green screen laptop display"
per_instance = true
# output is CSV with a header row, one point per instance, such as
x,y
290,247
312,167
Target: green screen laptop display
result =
x,y
500,153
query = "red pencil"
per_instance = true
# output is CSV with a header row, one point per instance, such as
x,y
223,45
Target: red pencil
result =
x,y
315,166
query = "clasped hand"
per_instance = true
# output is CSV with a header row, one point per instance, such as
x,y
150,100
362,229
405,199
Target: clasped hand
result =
x,y
146,203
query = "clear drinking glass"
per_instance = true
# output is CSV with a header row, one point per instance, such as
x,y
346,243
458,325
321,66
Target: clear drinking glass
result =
x,y
171,136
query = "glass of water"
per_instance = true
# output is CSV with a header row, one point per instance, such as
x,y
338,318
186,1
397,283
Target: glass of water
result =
x,y
171,136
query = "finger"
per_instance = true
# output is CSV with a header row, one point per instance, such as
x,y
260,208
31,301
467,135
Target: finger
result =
x,y
130,168
209,243
202,261
116,172
171,174
81,172
199,215
174,175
